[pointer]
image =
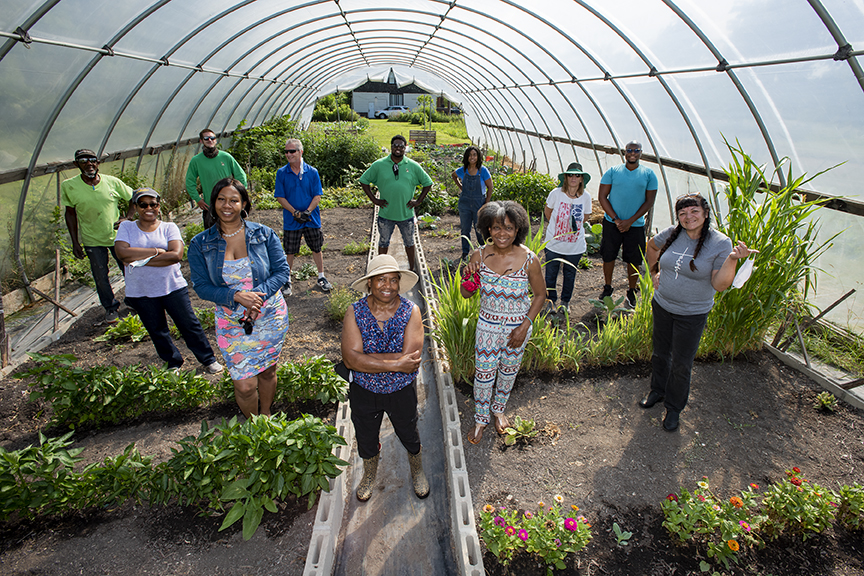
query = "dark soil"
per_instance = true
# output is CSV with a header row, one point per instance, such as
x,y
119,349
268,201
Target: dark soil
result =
x,y
747,421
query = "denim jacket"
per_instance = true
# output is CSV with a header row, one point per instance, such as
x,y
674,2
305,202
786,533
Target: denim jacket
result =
x,y
207,255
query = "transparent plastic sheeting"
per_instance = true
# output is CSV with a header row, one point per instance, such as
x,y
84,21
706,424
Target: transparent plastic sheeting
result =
x,y
544,81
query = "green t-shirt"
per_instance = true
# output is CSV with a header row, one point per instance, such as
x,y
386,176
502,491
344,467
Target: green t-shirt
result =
x,y
211,171
397,191
97,207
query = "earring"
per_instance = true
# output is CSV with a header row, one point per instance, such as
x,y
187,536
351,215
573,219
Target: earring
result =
x,y
244,214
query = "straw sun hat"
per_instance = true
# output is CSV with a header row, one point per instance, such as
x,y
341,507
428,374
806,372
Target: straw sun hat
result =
x,y
382,264
574,168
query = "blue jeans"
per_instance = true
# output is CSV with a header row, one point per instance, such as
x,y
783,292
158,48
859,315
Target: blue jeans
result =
x,y
676,340
98,256
177,305
385,231
468,208
552,265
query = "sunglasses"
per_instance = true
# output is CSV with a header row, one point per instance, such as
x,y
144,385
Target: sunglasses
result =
x,y
633,150
88,160
248,326
396,170
208,138
146,205
291,151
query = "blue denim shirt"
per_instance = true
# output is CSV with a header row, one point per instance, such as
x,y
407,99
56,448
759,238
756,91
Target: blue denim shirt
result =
x,y
270,270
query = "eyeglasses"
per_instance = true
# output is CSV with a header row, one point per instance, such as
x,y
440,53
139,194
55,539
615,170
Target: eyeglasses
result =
x,y
396,170
146,205
208,138
291,151
88,160
633,150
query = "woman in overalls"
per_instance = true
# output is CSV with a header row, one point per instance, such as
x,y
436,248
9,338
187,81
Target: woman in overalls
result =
x,y
475,189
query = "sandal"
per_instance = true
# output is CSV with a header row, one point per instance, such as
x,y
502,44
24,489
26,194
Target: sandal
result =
x,y
499,426
475,434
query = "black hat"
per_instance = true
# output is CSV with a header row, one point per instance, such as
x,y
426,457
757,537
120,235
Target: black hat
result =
x,y
85,153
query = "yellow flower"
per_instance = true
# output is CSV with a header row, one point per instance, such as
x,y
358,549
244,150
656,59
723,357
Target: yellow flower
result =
x,y
488,508
733,545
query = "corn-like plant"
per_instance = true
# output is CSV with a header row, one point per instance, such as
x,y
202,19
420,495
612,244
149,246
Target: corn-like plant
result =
x,y
543,351
627,337
455,324
781,226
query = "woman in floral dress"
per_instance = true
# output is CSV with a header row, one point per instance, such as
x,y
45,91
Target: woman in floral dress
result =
x,y
240,266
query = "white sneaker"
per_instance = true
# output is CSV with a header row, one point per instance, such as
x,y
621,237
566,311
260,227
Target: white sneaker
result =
x,y
324,284
286,290
214,368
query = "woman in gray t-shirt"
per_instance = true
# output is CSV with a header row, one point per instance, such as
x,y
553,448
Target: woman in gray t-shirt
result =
x,y
689,263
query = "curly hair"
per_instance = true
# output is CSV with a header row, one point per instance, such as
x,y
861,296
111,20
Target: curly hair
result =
x,y
495,213
686,202
241,189
468,152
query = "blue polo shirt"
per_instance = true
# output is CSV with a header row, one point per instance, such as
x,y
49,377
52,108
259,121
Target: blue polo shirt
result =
x,y
299,190
629,189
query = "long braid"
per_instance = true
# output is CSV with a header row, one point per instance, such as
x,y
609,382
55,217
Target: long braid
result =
x,y
668,243
703,235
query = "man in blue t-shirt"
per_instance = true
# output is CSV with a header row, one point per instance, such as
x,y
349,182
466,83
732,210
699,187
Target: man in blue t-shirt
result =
x,y
298,191
626,193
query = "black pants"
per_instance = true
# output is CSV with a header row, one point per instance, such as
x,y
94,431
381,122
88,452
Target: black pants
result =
x,y
98,256
676,340
367,411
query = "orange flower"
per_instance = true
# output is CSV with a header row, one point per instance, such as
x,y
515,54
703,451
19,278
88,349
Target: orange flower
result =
x,y
737,502
733,545
574,507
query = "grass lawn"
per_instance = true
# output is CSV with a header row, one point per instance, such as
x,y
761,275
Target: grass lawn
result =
x,y
382,131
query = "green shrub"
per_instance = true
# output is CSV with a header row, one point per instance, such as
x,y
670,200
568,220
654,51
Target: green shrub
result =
x,y
529,189
127,328
191,230
355,248
435,203
263,146
348,197
300,381
850,511
338,302
334,107
340,156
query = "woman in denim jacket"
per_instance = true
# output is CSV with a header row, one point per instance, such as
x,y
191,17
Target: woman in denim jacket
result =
x,y
240,266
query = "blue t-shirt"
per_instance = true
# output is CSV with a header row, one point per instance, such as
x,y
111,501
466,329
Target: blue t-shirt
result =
x,y
483,173
628,190
299,190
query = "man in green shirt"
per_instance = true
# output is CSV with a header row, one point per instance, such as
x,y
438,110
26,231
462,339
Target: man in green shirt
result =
x,y
92,202
210,166
397,178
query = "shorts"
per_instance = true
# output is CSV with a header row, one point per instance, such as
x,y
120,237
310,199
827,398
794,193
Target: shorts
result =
x,y
291,240
385,231
633,241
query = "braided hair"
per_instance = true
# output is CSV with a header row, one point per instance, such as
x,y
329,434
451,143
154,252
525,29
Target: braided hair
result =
x,y
686,202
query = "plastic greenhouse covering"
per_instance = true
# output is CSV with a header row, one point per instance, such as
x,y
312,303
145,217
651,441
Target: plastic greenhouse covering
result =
x,y
544,82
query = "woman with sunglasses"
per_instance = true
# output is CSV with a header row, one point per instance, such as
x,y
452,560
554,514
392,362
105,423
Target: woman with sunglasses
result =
x,y
151,251
240,266
689,263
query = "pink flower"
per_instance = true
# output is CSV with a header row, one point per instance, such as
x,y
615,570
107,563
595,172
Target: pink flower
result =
x,y
744,525
528,514
510,530
498,521
754,486
523,535
571,524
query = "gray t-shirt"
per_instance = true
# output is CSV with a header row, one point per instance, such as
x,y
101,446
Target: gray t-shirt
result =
x,y
151,281
681,290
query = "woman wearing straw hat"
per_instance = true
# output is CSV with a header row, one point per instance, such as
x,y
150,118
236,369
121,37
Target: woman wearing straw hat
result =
x,y
382,335
566,209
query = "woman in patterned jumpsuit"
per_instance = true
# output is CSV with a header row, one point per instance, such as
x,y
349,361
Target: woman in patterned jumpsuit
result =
x,y
503,269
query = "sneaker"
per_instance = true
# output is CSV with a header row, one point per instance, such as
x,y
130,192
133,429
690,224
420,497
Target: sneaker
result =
x,y
214,367
607,291
324,284
286,290
112,317
549,308
563,309
631,298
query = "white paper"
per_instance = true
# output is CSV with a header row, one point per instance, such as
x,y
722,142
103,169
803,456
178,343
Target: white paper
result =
x,y
743,273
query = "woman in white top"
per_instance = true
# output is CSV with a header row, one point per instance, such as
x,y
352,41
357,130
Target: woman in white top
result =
x,y
566,209
151,251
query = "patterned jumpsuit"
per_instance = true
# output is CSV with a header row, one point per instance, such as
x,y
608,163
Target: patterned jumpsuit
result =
x,y
504,304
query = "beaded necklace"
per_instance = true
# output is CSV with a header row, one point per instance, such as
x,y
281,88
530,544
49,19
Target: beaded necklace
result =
x,y
242,226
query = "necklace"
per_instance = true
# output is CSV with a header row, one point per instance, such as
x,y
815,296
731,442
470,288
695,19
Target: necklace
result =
x,y
242,226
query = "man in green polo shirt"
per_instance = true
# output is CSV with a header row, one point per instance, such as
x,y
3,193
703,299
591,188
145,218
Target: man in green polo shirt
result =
x,y
397,178
92,202
210,166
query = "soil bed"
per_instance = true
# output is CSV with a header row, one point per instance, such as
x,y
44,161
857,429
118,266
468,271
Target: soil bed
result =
x,y
747,421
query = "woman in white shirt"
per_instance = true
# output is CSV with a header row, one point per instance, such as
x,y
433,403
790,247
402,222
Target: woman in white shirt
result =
x,y
566,209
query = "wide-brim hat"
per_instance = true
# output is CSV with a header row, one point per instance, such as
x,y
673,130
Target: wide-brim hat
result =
x,y
382,264
142,192
574,168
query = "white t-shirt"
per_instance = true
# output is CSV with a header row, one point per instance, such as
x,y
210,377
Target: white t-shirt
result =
x,y
151,281
564,233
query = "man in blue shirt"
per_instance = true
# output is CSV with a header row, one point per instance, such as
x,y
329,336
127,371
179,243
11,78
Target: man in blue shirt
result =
x,y
298,191
626,193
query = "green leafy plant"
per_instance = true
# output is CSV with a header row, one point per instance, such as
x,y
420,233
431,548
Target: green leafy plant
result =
x,y
797,506
344,196
527,188
305,271
338,301
585,264
520,430
79,270
609,306
191,230
427,221
621,536
354,248
826,402
545,533
593,236
455,324
127,328
850,511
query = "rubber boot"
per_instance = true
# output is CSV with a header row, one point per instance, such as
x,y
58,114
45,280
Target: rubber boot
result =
x,y
370,470
418,477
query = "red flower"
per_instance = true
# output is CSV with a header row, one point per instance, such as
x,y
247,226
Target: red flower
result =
x,y
795,480
796,470
672,497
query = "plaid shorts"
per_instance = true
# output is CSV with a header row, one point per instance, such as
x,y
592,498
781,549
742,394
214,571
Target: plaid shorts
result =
x,y
291,239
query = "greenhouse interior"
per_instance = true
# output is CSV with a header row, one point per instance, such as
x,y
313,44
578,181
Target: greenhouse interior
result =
x,y
540,85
